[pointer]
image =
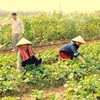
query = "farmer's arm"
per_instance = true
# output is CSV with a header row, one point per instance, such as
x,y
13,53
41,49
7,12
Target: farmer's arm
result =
x,y
81,59
19,62
22,26
76,54
6,23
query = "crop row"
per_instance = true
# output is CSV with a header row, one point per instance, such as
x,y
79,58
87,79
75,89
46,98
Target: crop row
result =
x,y
47,28
80,81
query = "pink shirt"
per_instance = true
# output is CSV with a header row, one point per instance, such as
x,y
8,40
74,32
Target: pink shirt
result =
x,y
17,25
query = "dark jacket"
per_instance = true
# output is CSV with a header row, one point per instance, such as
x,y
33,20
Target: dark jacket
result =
x,y
71,49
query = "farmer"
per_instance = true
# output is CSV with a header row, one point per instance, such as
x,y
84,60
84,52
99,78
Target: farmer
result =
x,y
25,54
17,29
70,50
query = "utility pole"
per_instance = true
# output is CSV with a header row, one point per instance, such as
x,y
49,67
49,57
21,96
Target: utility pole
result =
x,y
59,6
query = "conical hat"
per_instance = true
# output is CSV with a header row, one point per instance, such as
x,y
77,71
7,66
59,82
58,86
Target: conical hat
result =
x,y
23,41
79,39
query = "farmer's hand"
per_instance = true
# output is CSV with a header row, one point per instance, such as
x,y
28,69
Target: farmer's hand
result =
x,y
0,25
81,59
83,62
37,58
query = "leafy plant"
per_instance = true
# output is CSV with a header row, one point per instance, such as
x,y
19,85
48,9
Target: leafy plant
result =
x,y
46,28
81,81
37,95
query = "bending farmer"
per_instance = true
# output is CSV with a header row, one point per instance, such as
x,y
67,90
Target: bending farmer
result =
x,y
70,50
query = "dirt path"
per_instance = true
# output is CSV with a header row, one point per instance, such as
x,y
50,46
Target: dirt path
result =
x,y
45,47
59,91
26,93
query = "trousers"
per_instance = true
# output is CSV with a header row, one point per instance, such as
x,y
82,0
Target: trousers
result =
x,y
32,60
15,41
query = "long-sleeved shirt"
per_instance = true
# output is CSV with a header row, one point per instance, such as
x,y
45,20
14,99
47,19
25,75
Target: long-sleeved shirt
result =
x,y
17,25
71,49
32,59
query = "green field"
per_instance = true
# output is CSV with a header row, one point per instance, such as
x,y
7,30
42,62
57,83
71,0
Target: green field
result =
x,y
47,28
53,79
80,82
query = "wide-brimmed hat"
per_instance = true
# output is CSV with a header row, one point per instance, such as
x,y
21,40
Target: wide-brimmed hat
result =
x,y
23,41
79,39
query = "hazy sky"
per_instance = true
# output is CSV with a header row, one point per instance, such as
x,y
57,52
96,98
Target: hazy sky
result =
x,y
50,5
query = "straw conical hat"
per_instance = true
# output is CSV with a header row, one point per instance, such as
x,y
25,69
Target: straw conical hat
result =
x,y
79,39
23,41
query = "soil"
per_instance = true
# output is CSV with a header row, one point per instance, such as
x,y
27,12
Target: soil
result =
x,y
59,91
25,94
44,47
